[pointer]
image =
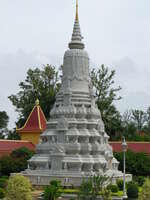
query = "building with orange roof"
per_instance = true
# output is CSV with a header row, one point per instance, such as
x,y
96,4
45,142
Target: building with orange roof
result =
x,y
7,146
34,126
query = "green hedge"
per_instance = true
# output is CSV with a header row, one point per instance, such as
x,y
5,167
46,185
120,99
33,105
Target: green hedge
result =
x,y
132,190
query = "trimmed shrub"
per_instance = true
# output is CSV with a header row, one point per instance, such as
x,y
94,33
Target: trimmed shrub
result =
x,y
120,184
132,190
18,188
113,188
2,193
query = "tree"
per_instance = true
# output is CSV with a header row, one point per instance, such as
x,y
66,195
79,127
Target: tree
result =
x,y
145,193
139,118
22,152
3,119
3,123
135,124
129,127
10,165
106,94
18,188
137,164
147,126
7,166
39,83
12,135
16,162
53,190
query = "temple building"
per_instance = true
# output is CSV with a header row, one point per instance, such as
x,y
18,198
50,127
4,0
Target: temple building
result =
x,y
74,145
34,126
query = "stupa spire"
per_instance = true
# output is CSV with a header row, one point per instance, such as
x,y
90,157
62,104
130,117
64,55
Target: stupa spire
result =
x,y
77,12
76,40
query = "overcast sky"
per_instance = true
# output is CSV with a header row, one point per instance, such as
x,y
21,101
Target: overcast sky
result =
x,y
116,33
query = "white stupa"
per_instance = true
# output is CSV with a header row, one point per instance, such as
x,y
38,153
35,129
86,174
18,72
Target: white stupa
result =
x,y
75,144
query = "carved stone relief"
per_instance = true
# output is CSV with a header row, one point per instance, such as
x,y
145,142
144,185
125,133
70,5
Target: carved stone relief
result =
x,y
62,124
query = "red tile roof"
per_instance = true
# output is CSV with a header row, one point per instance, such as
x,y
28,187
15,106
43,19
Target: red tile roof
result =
x,y
36,121
7,146
133,146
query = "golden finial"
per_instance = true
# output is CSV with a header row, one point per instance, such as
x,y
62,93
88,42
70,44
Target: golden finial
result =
x,y
37,102
77,14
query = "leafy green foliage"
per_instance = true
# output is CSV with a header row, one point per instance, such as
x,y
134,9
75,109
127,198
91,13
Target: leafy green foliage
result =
x,y
85,191
132,190
10,165
52,191
3,181
22,152
98,182
137,164
106,194
13,135
140,180
3,123
3,119
113,188
120,184
16,162
2,193
145,193
90,188
106,94
136,125
18,188
139,118
42,84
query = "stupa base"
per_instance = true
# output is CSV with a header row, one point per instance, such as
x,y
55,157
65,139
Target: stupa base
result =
x,y
68,179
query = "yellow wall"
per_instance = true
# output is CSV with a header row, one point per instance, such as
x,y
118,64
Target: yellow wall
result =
x,y
32,137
